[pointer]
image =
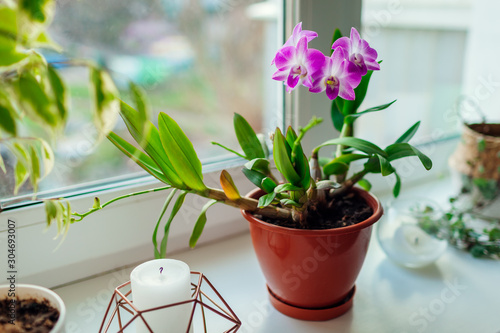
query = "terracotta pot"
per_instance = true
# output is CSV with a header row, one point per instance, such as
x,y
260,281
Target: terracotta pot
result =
x,y
311,273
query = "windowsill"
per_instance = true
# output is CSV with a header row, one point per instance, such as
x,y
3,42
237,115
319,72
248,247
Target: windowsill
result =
x,y
389,298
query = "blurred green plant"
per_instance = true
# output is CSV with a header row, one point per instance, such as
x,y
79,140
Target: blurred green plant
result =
x,y
32,91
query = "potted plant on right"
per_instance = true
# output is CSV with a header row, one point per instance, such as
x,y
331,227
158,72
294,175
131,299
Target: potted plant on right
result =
x,y
310,225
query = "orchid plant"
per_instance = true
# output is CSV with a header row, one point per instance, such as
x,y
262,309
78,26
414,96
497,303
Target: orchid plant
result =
x,y
304,184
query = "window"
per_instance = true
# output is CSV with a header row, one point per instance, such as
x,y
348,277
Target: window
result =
x,y
433,52
198,61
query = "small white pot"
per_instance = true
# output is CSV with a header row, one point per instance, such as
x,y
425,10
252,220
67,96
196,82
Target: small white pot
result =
x,y
39,293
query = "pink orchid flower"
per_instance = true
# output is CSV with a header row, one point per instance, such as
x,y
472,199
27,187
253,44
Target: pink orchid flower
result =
x,y
359,51
338,76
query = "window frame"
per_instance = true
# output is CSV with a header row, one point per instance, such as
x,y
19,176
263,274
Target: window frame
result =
x,y
111,238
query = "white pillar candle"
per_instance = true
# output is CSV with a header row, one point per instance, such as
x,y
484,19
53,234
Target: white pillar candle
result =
x,y
160,282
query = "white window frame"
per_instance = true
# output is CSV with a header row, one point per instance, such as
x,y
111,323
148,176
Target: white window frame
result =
x,y
121,234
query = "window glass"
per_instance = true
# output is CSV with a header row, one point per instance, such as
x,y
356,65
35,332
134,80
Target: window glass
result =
x,y
199,61
433,52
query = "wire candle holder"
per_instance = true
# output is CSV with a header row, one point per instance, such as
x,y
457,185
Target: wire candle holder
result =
x,y
201,299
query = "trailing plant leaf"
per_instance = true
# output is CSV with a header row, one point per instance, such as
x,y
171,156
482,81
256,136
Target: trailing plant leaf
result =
x,y
106,102
200,224
181,153
7,115
247,138
59,90
35,169
33,100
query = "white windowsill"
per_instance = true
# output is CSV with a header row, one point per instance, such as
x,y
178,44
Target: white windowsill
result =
x,y
389,298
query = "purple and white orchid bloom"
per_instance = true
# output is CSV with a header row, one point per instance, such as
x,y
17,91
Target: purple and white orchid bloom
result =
x,y
296,64
359,51
338,76
297,34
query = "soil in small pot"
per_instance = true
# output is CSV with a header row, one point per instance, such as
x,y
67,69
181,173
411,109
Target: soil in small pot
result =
x,y
341,212
32,316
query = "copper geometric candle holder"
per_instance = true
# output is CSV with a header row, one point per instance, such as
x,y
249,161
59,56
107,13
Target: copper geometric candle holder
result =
x,y
205,298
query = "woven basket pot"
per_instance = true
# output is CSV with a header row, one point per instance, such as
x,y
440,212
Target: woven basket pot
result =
x,y
477,161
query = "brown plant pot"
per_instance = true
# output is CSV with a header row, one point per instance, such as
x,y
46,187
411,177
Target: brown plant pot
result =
x,y
310,274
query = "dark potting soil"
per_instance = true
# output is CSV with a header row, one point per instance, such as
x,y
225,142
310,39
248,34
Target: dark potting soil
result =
x,y
344,211
31,316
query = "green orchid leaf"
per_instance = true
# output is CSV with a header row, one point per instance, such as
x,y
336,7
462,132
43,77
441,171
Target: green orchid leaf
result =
x,y
200,224
287,187
268,185
59,90
266,199
143,160
155,232
350,118
106,101
175,210
409,133
359,144
336,114
400,150
298,158
365,184
289,202
254,176
149,139
336,35
385,166
282,159
181,153
259,164
247,138
229,149
335,168
397,187
339,163
351,107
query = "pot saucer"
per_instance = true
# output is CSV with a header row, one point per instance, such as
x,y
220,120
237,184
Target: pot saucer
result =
x,y
313,314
